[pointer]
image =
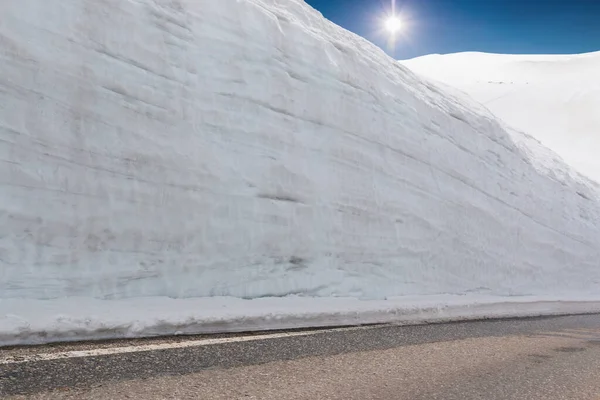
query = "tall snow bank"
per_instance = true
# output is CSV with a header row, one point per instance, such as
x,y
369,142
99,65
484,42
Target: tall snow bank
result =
x,y
554,98
250,148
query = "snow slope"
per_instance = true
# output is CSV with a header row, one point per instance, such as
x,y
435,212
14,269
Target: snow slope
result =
x,y
155,151
555,98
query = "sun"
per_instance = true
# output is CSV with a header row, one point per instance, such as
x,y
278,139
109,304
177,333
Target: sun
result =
x,y
393,24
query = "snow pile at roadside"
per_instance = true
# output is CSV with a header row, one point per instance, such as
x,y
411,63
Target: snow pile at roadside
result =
x,y
554,98
187,150
84,318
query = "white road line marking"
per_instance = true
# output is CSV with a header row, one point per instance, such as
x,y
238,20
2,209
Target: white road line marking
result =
x,y
19,359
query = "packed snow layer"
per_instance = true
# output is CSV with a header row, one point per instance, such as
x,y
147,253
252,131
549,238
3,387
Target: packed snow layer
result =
x,y
84,318
250,148
555,98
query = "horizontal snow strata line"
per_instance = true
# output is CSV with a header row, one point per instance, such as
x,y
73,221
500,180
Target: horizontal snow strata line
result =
x,y
463,181
162,346
128,96
167,28
136,64
48,146
406,154
87,112
164,15
288,113
67,161
282,197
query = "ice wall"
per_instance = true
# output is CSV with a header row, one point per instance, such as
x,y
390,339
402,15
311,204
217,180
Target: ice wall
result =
x,y
250,148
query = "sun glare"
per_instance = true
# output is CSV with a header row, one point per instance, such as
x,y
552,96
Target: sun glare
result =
x,y
393,24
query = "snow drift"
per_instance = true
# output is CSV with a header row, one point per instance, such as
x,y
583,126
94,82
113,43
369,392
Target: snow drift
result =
x,y
554,98
179,149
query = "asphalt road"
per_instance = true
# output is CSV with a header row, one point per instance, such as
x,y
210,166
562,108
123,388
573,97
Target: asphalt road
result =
x,y
540,358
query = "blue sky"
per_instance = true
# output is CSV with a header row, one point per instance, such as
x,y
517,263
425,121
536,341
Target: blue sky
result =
x,y
496,26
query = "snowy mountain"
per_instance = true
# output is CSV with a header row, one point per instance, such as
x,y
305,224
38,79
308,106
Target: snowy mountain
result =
x,y
555,98
163,160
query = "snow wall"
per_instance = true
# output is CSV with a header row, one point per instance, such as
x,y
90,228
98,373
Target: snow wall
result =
x,y
249,149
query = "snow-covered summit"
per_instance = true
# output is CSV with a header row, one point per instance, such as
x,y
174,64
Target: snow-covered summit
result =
x,y
555,98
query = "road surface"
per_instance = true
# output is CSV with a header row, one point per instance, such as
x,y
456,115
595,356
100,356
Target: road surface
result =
x,y
539,358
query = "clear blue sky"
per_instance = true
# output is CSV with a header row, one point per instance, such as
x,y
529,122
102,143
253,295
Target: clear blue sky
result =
x,y
496,26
